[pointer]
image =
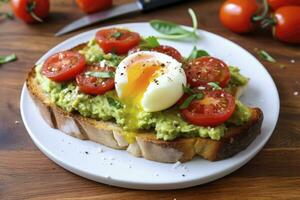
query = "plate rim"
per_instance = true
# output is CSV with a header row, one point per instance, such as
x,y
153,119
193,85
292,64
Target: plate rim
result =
x,y
145,185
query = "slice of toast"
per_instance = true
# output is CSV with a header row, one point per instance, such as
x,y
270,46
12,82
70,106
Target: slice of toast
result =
x,y
146,145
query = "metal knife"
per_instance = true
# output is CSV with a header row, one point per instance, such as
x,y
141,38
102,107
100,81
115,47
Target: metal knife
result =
x,y
138,6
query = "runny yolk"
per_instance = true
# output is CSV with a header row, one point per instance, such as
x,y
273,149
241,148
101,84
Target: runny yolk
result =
x,y
139,75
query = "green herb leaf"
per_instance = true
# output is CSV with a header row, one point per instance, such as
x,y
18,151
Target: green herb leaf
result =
x,y
114,103
187,90
9,58
117,34
188,100
197,53
149,42
214,85
100,74
265,56
170,30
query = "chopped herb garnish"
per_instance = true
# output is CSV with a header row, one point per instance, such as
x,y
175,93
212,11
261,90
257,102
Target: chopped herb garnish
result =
x,y
187,90
214,85
173,31
188,100
192,96
9,58
197,53
100,74
265,56
117,34
149,42
114,103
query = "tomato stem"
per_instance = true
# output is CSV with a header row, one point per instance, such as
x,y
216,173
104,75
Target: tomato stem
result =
x,y
264,13
30,9
269,21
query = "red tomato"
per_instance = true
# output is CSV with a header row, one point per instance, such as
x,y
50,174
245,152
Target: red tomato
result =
x,y
94,85
25,9
236,15
116,40
169,51
215,108
63,66
274,4
287,26
91,6
207,69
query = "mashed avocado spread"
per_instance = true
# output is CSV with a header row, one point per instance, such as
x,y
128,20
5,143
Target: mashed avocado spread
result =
x,y
168,124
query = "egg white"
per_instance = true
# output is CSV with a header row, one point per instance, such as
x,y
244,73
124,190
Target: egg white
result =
x,y
162,92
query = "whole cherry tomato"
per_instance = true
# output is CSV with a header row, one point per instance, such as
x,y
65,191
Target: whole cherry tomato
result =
x,y
274,4
30,10
90,6
287,27
236,15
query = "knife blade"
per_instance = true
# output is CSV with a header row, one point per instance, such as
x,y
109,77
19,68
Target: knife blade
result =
x,y
116,11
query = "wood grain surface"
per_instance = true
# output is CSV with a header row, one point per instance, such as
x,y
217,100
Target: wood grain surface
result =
x,y
25,173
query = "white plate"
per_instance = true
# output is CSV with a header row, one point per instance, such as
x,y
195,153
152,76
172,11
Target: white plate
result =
x,y
119,168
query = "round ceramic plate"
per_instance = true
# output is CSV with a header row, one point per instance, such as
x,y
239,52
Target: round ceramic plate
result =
x,y
119,168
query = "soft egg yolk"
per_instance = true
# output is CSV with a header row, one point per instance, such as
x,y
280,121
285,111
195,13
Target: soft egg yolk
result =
x,y
139,75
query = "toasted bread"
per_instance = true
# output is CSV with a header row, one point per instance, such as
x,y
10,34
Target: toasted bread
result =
x,y
146,145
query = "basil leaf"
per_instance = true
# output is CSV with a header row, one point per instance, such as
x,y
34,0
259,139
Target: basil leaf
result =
x,y
214,85
9,58
100,74
149,42
265,56
117,35
168,28
187,90
189,100
197,53
114,103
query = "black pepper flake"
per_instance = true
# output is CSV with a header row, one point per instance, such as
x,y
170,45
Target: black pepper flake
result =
x,y
86,152
163,65
183,175
122,74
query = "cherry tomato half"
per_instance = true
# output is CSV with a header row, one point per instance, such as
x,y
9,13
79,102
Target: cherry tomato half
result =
x,y
236,15
25,9
207,69
169,51
274,4
63,66
215,108
119,41
287,26
94,85
91,6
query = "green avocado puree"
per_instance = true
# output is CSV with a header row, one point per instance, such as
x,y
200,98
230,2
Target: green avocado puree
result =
x,y
168,124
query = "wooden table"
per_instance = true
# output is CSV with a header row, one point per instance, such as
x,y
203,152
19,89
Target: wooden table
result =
x,y
25,173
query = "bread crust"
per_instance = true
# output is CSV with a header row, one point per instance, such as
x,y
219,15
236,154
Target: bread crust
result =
x,y
146,145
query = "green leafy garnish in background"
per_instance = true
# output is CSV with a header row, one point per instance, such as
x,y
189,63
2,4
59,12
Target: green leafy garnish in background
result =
x,y
265,56
170,30
9,58
100,74
197,53
149,42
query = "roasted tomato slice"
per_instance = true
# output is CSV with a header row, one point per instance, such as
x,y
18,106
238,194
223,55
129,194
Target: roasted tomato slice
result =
x,y
115,40
207,69
215,108
169,51
63,66
93,84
